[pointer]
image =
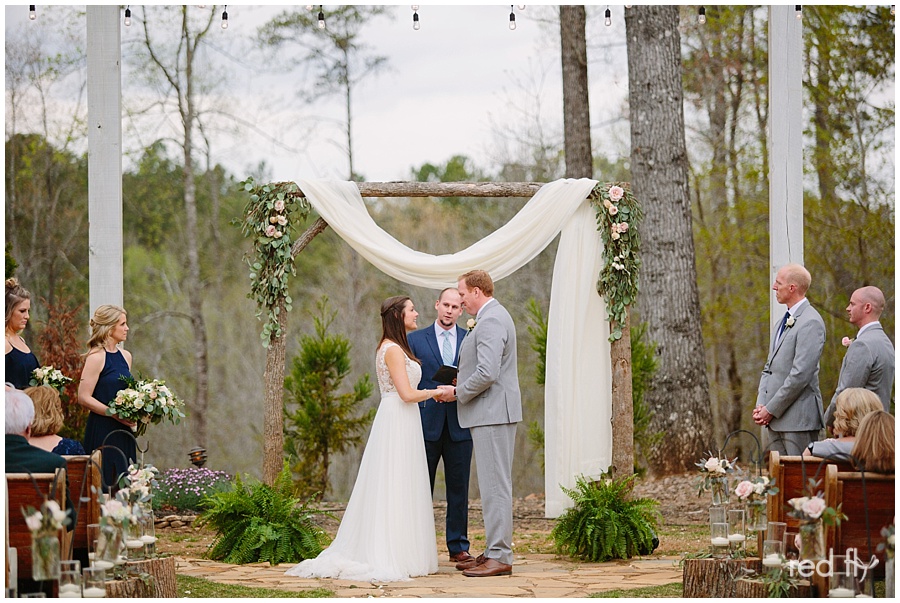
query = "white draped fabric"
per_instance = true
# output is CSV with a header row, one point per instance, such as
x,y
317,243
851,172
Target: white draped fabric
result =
x,y
578,391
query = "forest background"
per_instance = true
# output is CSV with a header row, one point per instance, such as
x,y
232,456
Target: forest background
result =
x,y
849,186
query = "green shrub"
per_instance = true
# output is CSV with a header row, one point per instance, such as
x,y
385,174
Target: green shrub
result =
x,y
605,522
185,489
256,522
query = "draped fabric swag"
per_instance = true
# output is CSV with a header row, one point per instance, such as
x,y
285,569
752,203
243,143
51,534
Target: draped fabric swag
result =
x,y
578,390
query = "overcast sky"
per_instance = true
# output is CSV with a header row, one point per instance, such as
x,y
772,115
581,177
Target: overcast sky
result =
x,y
449,89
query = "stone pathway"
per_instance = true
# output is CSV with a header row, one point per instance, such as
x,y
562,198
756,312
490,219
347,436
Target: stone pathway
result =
x,y
534,575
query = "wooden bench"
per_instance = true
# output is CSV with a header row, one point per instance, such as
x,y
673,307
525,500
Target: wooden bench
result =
x,y
24,490
791,475
859,494
84,487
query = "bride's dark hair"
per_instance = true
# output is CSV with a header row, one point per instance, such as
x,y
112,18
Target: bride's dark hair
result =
x,y
393,326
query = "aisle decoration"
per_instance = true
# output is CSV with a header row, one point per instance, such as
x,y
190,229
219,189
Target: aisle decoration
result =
x,y
754,493
813,513
146,402
44,525
714,472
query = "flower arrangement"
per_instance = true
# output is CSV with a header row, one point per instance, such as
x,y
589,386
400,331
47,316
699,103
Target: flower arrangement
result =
x,y
47,375
137,485
185,489
270,214
47,520
146,402
714,470
117,510
470,324
756,489
812,507
618,214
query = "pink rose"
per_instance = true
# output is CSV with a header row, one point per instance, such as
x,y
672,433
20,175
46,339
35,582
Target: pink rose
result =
x,y
743,489
279,205
813,507
846,341
623,226
270,231
613,210
616,193
712,464
282,220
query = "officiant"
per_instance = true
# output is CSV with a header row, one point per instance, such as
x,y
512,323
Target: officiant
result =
x,y
437,347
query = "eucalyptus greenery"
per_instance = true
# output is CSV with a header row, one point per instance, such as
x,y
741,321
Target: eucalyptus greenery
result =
x,y
270,217
257,522
617,220
606,522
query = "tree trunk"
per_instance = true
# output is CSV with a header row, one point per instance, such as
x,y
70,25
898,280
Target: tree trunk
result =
x,y
576,108
273,413
714,578
669,300
622,403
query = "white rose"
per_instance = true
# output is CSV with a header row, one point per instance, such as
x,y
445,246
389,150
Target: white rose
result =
x,y
279,205
282,220
712,464
38,374
33,521
614,236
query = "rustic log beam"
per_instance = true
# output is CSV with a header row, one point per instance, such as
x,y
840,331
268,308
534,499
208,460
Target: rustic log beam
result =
x,y
715,578
449,189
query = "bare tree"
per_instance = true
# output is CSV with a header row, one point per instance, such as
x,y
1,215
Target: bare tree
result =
x,y
669,300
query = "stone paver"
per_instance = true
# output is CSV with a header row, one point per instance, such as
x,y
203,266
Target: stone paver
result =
x,y
534,575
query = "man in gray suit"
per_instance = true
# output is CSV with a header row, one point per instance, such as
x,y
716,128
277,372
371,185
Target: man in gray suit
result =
x,y
869,361
490,404
789,401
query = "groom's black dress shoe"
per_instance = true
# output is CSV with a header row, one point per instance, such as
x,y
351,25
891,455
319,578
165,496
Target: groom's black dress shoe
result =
x,y
470,562
490,567
461,556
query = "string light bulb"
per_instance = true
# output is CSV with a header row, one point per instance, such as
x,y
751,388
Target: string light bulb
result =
x,y
701,15
128,16
415,8
309,7
225,17
607,17
32,12
512,18
520,6
799,10
321,18
416,21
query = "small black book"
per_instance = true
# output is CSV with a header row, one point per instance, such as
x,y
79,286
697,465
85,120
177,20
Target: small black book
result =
x,y
445,375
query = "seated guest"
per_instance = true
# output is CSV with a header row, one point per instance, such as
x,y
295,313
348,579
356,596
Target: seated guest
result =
x,y
22,457
874,445
48,420
852,405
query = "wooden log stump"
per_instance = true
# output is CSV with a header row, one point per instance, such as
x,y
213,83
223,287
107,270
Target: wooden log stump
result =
x,y
754,588
703,578
147,578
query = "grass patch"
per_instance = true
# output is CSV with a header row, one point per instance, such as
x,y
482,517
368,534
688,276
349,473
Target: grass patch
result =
x,y
666,591
198,588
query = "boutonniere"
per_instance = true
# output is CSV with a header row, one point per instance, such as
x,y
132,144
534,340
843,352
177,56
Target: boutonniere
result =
x,y
846,341
790,321
470,324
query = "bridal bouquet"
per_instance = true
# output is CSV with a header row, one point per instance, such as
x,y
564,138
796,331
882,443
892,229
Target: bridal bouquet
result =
x,y
145,402
47,375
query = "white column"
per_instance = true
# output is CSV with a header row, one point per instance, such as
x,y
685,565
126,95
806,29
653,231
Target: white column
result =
x,y
104,155
785,143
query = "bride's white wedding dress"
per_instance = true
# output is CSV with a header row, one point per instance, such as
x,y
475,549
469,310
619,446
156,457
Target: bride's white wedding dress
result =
x,y
387,532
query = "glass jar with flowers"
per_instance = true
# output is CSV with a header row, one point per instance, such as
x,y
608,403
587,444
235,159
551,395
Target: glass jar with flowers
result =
x,y
754,494
714,472
814,514
44,525
116,517
887,547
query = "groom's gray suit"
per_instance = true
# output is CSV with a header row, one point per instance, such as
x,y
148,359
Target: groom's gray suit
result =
x,y
490,404
789,386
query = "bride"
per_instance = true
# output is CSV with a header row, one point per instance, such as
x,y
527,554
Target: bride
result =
x,y
387,532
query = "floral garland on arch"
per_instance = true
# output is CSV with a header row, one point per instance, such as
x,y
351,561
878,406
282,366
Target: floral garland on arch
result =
x,y
269,219
618,214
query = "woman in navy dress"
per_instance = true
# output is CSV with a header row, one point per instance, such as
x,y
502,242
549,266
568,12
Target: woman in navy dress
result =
x,y
20,360
104,365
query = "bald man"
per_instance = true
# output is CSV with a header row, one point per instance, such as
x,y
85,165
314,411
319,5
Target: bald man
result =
x,y
869,361
789,402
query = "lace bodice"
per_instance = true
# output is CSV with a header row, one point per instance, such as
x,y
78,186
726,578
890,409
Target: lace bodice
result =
x,y
385,383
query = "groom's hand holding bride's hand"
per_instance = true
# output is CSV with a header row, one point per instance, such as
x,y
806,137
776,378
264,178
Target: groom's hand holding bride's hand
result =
x,y
445,393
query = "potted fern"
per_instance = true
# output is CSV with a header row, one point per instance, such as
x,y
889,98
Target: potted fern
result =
x,y
606,522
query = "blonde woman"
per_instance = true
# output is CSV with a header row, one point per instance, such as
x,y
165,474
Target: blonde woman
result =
x,y
20,360
101,379
48,420
874,445
851,405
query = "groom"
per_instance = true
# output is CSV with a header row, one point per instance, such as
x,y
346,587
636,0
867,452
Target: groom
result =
x,y
438,344
490,404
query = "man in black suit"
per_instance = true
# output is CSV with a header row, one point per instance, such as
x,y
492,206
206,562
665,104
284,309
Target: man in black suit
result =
x,y
437,345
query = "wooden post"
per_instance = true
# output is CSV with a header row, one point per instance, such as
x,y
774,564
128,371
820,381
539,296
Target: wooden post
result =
x,y
622,405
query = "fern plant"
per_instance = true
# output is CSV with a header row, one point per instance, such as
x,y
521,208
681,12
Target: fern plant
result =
x,y
257,522
605,522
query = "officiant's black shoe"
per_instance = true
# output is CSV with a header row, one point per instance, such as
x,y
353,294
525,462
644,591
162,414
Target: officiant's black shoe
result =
x,y
461,556
470,562
490,567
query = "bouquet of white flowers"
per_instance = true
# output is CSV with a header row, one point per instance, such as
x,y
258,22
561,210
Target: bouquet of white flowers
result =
x,y
146,402
47,375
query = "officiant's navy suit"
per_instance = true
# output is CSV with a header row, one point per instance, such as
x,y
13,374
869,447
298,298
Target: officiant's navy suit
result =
x,y
444,437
